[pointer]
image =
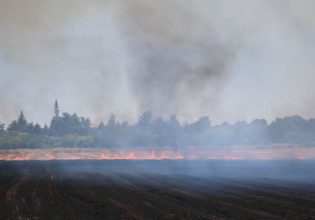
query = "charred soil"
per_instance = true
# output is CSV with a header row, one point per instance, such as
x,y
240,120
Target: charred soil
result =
x,y
156,190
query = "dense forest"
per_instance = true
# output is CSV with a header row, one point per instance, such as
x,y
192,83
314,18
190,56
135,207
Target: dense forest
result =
x,y
70,130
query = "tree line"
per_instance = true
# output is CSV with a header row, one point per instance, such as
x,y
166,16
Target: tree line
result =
x,y
72,130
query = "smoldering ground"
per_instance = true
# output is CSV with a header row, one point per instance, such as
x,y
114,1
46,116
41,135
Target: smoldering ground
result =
x,y
187,58
156,189
294,171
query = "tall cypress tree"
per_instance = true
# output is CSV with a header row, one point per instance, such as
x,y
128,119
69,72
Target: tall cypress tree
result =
x,y
56,109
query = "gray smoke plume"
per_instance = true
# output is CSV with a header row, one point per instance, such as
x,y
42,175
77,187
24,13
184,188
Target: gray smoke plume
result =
x,y
178,61
230,60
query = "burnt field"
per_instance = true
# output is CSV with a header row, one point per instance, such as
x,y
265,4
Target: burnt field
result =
x,y
163,189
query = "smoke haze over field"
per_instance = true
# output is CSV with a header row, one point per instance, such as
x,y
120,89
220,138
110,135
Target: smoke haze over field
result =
x,y
230,60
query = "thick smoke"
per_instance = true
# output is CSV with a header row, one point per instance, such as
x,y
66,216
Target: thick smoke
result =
x,y
230,60
179,62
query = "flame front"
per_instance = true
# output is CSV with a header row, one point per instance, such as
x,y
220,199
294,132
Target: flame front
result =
x,y
86,154
270,152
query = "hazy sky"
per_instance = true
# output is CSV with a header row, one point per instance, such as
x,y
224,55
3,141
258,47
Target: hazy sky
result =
x,y
231,60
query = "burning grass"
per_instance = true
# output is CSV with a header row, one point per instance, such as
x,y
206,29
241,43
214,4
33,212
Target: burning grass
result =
x,y
270,152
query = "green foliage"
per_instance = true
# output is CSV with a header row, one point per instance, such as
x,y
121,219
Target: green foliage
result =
x,y
69,124
21,125
70,130
13,140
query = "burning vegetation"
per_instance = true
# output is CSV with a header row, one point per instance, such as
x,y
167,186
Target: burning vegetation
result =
x,y
273,152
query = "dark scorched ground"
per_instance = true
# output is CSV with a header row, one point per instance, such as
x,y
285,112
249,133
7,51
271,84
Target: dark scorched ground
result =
x,y
157,190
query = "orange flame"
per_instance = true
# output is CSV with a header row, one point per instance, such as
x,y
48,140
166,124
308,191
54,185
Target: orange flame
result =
x,y
189,153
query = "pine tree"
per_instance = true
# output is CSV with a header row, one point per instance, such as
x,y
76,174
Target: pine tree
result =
x,y
101,126
45,129
112,123
21,122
